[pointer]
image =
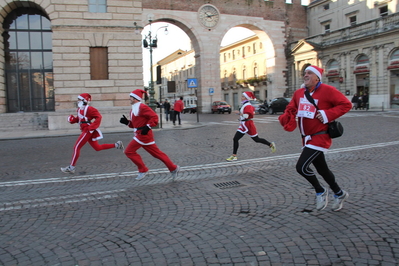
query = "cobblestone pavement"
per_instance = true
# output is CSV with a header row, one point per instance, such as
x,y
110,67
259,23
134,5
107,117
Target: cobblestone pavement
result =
x,y
256,211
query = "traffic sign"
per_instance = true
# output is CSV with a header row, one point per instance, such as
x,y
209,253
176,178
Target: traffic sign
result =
x,y
192,83
211,91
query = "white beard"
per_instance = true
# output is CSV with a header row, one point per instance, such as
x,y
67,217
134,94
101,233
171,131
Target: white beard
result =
x,y
135,108
81,105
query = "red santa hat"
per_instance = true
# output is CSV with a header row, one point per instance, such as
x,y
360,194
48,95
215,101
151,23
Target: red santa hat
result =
x,y
85,97
138,94
249,95
317,70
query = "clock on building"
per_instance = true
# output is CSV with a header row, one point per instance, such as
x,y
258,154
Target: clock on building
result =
x,y
208,16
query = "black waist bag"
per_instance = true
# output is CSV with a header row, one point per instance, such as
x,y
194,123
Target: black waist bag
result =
x,y
335,129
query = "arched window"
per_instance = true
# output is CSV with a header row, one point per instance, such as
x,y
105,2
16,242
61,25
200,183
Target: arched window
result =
x,y
395,56
362,60
28,61
255,70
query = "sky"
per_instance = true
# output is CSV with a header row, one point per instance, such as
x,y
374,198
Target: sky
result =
x,y
177,39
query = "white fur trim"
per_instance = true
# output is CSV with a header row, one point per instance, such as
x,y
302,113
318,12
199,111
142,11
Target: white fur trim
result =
x,y
143,143
135,96
246,96
314,70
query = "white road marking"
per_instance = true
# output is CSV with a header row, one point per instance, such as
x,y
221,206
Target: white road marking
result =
x,y
81,197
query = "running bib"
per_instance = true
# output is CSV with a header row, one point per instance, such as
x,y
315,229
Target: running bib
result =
x,y
306,109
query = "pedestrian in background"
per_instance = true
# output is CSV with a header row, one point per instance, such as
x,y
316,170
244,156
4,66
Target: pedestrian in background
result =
x,y
142,119
166,106
366,101
89,119
354,101
360,102
178,108
247,126
313,125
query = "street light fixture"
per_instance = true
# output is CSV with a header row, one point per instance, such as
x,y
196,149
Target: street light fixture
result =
x,y
150,42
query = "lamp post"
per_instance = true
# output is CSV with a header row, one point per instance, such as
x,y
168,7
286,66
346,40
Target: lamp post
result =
x,y
150,42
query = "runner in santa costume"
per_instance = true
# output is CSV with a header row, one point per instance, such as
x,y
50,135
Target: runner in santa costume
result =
x,y
89,119
247,125
313,125
142,119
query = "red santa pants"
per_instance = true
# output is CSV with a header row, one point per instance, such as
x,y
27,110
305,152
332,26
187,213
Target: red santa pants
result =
x,y
82,140
152,149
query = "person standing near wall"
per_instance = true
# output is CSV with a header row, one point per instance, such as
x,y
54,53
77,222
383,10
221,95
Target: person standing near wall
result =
x,y
166,106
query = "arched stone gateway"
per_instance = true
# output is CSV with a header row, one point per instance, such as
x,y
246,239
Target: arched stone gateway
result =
x,y
85,36
275,24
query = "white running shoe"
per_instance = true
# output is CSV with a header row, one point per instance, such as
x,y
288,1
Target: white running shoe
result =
x,y
322,200
175,172
339,201
141,175
119,145
68,169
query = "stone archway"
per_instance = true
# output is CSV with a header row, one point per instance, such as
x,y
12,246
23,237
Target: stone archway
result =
x,y
206,44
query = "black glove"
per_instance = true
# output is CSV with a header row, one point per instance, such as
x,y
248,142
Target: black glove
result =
x,y
145,130
124,120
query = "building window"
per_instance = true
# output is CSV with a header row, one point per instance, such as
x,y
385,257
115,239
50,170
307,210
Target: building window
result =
x,y
326,7
98,63
327,28
98,6
28,61
384,11
224,57
234,55
352,20
243,51
255,70
254,48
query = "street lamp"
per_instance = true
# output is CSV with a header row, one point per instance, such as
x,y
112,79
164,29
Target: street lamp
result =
x,y
150,42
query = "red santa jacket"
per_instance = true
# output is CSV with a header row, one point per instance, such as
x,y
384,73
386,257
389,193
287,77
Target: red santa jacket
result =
x,y
247,125
89,119
142,115
331,103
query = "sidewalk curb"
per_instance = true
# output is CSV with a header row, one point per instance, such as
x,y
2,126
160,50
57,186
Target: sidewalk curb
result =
x,y
15,135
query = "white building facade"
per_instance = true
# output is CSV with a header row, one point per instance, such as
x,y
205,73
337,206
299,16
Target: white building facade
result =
x,y
357,43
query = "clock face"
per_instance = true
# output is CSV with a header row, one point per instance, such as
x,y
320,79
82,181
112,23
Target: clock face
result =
x,y
208,16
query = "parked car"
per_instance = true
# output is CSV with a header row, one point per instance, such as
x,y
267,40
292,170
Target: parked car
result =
x,y
278,105
221,107
256,103
191,108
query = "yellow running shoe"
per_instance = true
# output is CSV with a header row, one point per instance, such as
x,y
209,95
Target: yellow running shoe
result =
x,y
232,158
273,146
